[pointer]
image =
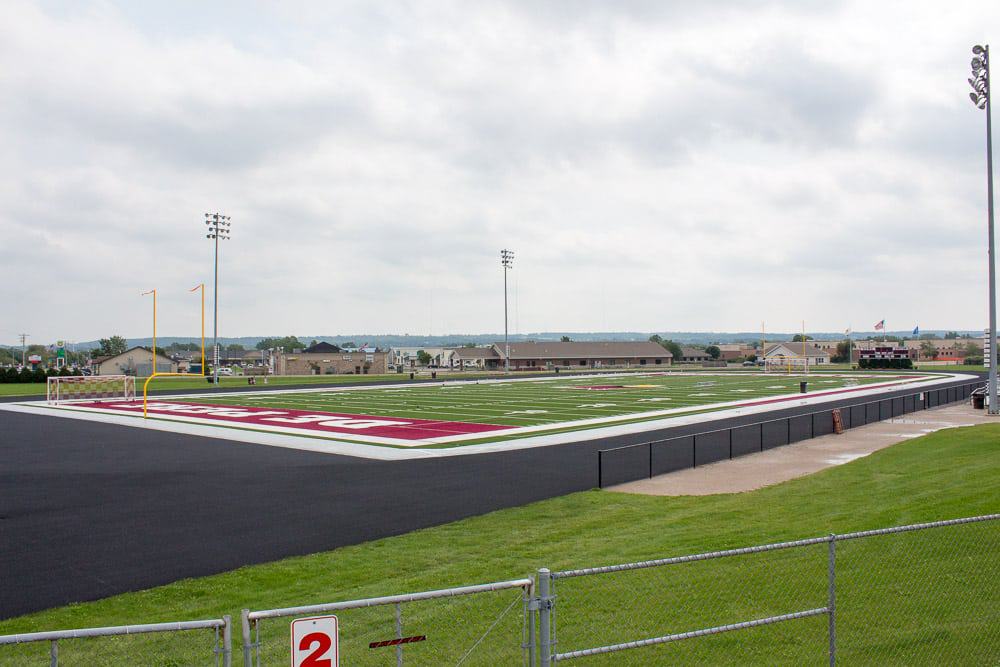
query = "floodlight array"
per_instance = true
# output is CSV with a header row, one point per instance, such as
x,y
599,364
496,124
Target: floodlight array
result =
x,y
980,80
218,226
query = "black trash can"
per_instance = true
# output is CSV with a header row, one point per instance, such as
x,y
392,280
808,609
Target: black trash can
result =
x,y
434,375
802,387
979,399
411,376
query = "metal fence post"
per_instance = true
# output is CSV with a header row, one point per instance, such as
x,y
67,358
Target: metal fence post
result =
x,y
600,469
831,601
227,641
544,617
532,609
247,644
54,653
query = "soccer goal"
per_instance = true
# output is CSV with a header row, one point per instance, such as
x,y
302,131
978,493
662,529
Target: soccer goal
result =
x,y
788,365
90,387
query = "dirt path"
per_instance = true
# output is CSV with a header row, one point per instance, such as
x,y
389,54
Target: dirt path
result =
x,y
803,458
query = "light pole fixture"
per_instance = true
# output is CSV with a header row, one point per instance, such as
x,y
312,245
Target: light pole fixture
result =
x,y
218,228
507,260
980,96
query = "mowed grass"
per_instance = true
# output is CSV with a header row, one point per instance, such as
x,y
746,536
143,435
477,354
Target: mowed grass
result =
x,y
929,597
549,401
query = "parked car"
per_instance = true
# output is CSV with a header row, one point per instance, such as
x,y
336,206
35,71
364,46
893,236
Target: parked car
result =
x,y
225,371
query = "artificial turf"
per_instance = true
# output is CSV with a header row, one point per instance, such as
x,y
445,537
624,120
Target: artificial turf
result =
x,y
549,401
929,597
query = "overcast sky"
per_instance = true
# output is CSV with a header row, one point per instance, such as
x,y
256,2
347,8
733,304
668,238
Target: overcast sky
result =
x,y
654,166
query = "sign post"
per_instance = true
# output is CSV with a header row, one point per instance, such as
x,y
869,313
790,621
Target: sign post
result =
x,y
315,642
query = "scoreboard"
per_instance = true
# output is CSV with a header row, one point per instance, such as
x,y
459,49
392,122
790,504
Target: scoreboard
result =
x,y
884,352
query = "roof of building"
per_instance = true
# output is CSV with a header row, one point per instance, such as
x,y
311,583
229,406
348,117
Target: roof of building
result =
x,y
694,352
159,353
584,350
321,346
796,349
476,353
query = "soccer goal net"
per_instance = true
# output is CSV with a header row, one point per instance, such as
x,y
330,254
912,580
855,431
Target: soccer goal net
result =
x,y
92,387
786,365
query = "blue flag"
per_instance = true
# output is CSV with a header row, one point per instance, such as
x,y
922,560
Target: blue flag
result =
x,y
916,331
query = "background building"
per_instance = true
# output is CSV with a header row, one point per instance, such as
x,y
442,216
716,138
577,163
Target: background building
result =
x,y
134,361
327,359
539,356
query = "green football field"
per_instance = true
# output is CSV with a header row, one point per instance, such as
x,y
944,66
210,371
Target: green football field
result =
x,y
521,403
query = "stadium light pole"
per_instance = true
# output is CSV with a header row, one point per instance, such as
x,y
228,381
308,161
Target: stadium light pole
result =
x,y
980,96
218,228
507,259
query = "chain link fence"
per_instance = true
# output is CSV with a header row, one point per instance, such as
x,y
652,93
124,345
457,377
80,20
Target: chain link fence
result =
x,y
918,594
487,624
183,643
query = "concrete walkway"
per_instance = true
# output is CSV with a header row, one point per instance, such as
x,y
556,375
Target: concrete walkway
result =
x,y
804,458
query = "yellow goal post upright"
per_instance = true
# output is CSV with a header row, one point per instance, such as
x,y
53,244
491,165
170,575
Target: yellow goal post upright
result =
x,y
156,374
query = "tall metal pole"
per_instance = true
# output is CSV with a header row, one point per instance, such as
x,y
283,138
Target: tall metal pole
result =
x,y
981,97
218,228
215,317
507,259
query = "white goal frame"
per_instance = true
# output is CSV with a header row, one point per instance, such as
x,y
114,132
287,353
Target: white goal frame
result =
x,y
787,365
63,389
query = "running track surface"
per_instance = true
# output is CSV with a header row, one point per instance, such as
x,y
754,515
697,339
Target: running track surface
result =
x,y
87,510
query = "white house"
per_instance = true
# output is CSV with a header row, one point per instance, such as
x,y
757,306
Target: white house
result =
x,y
790,350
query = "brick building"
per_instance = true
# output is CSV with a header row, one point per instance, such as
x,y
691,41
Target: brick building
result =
x,y
327,359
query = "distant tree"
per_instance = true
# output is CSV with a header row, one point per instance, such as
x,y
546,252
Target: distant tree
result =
x,y
423,358
184,347
928,336
669,345
565,339
112,346
313,342
713,351
799,338
234,349
951,334
928,350
843,352
973,350
349,345
468,345
289,343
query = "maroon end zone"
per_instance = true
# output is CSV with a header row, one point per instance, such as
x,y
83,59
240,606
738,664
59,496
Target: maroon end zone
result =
x,y
324,422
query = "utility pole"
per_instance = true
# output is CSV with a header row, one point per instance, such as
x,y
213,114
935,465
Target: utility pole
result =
x,y
981,97
24,349
507,259
218,228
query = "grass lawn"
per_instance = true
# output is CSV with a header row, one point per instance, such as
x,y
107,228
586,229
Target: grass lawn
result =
x,y
169,384
929,597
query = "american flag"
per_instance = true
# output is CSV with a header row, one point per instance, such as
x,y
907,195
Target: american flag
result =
x,y
880,325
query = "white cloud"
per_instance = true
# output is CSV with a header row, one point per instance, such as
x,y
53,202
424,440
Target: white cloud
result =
x,y
655,167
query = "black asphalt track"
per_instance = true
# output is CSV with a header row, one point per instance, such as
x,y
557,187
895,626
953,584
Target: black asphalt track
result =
x,y
88,510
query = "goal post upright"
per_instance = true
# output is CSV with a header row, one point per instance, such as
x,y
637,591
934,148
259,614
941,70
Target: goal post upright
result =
x,y
155,373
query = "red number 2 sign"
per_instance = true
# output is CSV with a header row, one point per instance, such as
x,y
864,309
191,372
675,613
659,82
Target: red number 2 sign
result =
x,y
315,642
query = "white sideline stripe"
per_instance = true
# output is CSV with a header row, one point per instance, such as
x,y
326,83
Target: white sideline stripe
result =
x,y
361,450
